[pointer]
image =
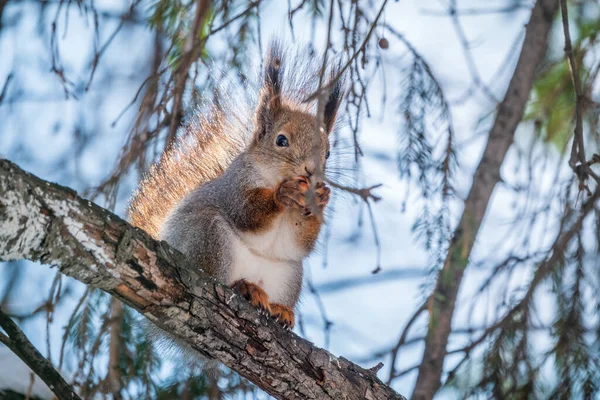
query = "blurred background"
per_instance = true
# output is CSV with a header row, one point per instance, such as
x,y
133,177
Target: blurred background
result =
x,y
91,92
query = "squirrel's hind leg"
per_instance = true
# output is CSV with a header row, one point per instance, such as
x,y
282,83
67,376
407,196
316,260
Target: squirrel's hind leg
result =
x,y
260,299
253,293
283,314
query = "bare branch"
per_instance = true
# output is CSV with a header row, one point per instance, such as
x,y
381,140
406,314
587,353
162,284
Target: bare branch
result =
x,y
192,51
45,222
364,193
16,340
578,160
402,341
354,56
478,11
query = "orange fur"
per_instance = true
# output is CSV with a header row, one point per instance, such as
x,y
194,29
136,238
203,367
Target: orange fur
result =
x,y
261,208
253,293
283,314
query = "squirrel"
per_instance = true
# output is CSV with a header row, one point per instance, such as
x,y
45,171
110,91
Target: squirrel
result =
x,y
248,212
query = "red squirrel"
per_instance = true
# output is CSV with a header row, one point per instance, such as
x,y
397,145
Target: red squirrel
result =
x,y
241,211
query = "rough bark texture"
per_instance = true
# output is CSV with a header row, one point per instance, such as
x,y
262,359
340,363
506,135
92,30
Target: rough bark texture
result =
x,y
113,376
45,222
487,175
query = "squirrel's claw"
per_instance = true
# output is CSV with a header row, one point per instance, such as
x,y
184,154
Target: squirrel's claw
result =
x,y
323,193
254,294
284,315
291,192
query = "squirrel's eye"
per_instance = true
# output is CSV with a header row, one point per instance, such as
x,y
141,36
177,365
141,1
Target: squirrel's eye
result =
x,y
328,154
282,141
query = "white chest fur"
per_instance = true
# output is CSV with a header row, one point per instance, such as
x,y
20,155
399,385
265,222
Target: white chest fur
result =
x,y
269,259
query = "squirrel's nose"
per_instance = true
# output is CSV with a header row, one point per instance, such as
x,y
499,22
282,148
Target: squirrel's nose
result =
x,y
309,167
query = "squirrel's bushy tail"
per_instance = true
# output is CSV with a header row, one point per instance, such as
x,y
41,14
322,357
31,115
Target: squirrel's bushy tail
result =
x,y
212,142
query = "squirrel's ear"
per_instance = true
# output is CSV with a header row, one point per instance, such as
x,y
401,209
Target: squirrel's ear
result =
x,y
333,103
269,102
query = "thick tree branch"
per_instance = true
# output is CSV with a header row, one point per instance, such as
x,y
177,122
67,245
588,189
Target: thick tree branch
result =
x,y
22,347
45,222
487,175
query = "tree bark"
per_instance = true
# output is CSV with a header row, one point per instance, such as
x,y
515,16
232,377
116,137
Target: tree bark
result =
x,y
113,376
487,175
45,222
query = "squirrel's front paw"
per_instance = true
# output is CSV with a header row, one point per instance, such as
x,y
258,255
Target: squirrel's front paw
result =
x,y
291,192
322,192
283,314
253,293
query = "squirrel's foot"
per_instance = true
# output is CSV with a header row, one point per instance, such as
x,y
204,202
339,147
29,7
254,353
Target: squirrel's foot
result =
x,y
323,192
254,294
283,314
291,192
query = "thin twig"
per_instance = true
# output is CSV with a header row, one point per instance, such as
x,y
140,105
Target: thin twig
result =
x,y
6,85
402,340
327,323
468,54
192,51
22,347
69,326
478,11
582,168
360,50
364,193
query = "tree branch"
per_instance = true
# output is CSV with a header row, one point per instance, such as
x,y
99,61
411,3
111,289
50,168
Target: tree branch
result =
x,y
45,222
510,111
577,149
578,161
191,51
16,340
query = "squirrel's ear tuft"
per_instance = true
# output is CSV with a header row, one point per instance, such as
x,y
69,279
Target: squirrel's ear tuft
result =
x,y
333,102
269,102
